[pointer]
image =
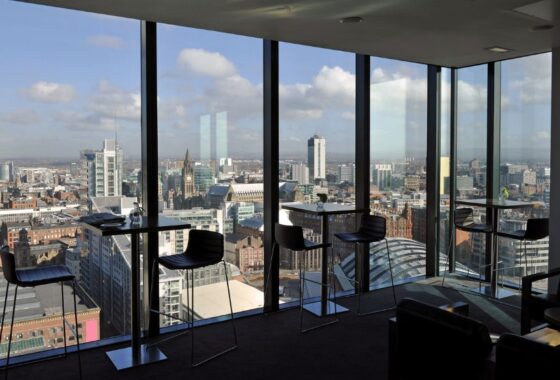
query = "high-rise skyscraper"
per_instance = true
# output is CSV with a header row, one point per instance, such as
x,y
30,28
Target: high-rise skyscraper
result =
x,y
214,136
443,172
221,135
104,169
346,173
300,173
316,157
381,176
205,138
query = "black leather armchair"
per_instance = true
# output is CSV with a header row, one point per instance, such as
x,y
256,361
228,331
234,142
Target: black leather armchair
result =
x,y
518,357
433,343
533,305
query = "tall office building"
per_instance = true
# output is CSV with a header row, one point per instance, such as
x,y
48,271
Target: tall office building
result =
x,y
221,135
300,173
103,170
346,173
443,172
316,157
205,138
203,178
381,176
213,136
5,172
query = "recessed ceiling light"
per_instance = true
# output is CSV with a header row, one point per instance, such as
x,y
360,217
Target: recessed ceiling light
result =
x,y
351,20
498,49
542,28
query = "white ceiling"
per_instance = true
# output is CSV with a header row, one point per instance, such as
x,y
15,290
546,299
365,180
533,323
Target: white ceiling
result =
x,y
452,33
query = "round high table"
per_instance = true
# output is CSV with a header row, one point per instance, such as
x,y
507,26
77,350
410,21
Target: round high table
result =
x,y
493,206
136,354
324,306
552,316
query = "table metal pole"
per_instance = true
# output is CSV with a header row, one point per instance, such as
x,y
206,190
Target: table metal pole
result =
x,y
494,253
135,296
325,265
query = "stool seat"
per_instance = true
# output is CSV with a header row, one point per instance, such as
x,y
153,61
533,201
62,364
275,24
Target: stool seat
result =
x,y
356,237
43,275
181,261
475,227
204,248
32,277
515,235
373,228
311,245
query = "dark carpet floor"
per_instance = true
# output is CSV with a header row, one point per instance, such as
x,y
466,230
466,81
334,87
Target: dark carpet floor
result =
x,y
271,347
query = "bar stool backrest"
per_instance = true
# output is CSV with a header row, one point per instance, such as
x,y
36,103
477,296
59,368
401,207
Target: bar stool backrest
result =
x,y
205,244
290,237
374,226
8,265
463,217
536,229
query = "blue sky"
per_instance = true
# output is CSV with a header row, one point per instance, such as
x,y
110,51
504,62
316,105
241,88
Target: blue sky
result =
x,y
71,79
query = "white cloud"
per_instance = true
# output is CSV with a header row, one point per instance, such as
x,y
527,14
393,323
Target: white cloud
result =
x,y
234,94
541,136
50,92
335,84
19,117
113,102
533,90
181,124
84,122
295,102
206,63
105,41
471,97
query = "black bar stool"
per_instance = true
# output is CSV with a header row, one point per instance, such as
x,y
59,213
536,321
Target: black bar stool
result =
x,y
372,229
205,248
30,278
536,229
463,220
291,237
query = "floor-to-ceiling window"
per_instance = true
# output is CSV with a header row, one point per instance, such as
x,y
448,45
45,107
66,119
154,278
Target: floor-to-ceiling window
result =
x,y
70,137
210,161
444,179
317,105
398,167
525,160
471,170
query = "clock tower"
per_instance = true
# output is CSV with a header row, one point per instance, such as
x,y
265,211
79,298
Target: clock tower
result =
x,y
188,177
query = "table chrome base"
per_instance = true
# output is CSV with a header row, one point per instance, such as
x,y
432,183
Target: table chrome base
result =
x,y
315,308
123,358
487,291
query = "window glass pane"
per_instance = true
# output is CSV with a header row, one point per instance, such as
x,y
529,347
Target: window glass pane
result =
x,y
471,163
70,134
525,161
211,173
316,157
398,168
444,167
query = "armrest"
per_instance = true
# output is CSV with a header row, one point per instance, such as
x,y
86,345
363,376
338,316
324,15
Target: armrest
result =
x,y
526,296
528,280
